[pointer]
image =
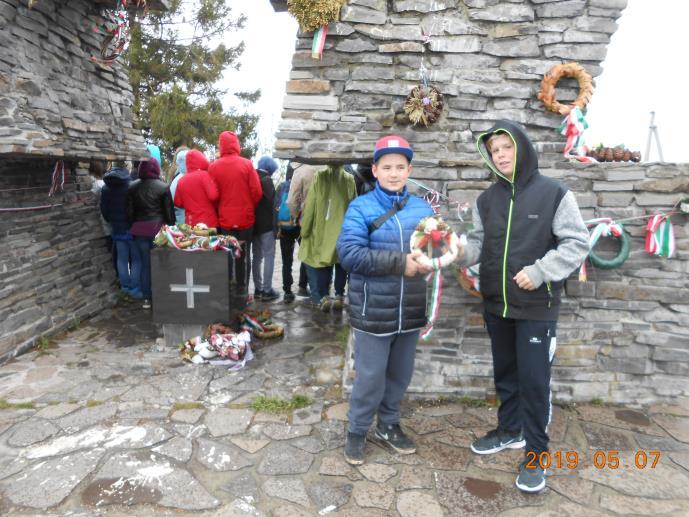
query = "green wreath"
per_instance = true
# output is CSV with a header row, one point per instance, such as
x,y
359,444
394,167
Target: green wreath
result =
x,y
617,260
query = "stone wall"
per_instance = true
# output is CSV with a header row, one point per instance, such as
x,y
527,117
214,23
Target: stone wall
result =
x,y
487,57
55,268
55,101
623,336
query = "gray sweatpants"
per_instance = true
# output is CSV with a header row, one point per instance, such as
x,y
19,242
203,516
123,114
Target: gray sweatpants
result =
x,y
384,367
263,249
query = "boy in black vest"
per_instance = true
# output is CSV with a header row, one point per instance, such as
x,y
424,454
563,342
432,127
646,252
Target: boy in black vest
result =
x,y
528,237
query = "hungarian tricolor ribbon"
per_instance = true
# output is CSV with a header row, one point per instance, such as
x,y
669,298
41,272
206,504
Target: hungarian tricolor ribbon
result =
x,y
319,42
573,127
604,227
58,178
660,236
435,301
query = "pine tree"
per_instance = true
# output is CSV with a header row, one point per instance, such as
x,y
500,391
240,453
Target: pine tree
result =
x,y
174,72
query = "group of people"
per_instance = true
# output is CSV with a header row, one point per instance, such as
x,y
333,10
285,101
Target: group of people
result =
x,y
528,235
354,226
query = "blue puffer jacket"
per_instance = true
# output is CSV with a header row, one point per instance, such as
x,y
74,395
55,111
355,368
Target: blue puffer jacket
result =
x,y
382,301
113,200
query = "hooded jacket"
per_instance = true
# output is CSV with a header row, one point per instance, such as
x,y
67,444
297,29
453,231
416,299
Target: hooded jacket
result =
x,y
382,301
265,215
330,193
238,185
197,193
528,222
113,200
180,170
149,203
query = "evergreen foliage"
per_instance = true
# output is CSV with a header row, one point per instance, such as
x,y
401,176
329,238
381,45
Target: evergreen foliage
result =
x,y
175,66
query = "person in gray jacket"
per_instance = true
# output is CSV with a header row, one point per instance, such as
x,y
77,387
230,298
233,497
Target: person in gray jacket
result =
x,y
528,237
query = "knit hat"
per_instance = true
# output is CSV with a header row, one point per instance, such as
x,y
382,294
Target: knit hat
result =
x,y
150,169
266,163
392,144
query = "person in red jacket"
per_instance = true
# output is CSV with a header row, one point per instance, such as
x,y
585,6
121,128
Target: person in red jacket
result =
x,y
197,193
240,191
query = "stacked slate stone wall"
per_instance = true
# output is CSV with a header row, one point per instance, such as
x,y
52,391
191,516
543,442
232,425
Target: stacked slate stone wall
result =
x,y
55,268
623,336
54,100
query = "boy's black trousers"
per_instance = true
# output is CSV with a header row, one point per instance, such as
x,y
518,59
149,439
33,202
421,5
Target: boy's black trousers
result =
x,y
523,352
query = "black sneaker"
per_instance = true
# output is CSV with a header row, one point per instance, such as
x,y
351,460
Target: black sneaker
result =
x,y
355,448
288,297
531,479
497,440
269,296
392,436
303,292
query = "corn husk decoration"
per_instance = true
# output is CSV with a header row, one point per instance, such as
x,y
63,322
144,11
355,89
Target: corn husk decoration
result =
x,y
424,105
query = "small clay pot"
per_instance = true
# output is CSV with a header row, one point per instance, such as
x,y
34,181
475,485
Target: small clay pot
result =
x,y
617,154
627,155
608,154
636,156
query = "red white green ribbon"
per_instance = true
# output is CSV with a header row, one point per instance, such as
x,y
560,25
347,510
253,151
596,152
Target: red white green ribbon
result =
x,y
604,227
319,42
435,301
573,127
660,236
58,178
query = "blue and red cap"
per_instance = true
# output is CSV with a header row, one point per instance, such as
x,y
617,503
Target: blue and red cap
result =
x,y
392,144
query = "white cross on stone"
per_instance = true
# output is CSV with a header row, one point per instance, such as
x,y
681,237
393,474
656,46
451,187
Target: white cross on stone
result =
x,y
190,288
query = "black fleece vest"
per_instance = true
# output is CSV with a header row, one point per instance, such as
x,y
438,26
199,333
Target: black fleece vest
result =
x,y
530,237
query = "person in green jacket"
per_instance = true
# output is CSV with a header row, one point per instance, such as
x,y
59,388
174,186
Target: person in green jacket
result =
x,y
326,203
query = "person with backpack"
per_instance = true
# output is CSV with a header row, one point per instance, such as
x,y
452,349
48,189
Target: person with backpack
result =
x,y
263,241
288,233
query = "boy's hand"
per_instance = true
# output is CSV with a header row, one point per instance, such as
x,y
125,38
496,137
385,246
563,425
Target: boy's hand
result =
x,y
412,267
523,281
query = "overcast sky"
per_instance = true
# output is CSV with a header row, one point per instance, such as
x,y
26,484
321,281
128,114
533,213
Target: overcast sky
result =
x,y
645,70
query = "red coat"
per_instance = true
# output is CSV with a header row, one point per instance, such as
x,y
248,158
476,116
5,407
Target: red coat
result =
x,y
238,184
197,193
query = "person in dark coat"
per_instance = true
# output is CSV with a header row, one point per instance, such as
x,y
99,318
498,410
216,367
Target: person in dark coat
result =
x,y
149,207
263,241
113,206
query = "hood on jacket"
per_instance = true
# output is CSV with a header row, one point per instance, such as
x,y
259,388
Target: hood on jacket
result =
x,y
196,160
267,164
526,159
181,162
116,176
228,143
154,151
149,170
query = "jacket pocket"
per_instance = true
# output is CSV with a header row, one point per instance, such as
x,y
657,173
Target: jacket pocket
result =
x,y
363,305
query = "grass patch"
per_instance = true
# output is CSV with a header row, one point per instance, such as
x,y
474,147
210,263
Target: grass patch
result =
x,y
93,403
187,405
342,336
19,405
598,402
43,344
74,324
277,405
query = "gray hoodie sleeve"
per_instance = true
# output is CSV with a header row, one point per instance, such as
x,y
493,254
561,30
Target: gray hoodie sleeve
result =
x,y
472,249
572,248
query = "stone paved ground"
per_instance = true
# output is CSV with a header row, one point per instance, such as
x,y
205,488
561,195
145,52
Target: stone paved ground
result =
x,y
115,424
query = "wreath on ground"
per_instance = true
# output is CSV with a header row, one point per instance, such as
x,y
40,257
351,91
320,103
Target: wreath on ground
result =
x,y
314,14
557,72
424,105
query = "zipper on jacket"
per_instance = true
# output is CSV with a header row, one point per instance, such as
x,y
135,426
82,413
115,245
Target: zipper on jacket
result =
x,y
399,225
504,256
550,294
363,309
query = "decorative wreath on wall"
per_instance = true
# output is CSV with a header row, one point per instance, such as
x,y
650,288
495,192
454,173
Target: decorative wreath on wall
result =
x,y
608,228
557,72
424,105
314,14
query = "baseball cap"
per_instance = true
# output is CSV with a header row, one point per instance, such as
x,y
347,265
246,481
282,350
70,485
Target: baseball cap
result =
x,y
392,144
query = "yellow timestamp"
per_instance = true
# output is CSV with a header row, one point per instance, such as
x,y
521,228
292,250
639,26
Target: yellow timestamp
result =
x,y
600,459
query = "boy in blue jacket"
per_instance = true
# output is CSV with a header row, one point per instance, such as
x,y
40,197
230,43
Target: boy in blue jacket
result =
x,y
387,298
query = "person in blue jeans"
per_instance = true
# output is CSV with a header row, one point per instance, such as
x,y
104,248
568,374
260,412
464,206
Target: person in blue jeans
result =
x,y
387,298
113,206
149,207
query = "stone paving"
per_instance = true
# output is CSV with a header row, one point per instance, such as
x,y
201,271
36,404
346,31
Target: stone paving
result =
x,y
109,421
